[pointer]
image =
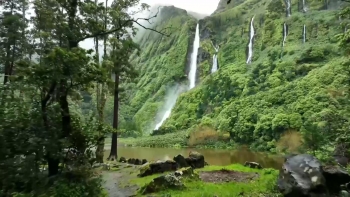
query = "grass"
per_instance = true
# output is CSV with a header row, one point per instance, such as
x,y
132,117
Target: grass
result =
x,y
264,185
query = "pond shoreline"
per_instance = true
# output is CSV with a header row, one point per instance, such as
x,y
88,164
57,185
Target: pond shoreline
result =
x,y
218,157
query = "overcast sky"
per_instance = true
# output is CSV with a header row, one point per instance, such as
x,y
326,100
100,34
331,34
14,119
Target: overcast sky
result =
x,y
199,6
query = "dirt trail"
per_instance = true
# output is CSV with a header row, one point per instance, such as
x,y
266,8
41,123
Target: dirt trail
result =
x,y
115,183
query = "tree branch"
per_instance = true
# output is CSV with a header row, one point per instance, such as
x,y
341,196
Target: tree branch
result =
x,y
121,26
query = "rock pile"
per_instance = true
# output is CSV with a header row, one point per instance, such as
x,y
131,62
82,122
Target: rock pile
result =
x,y
195,160
132,161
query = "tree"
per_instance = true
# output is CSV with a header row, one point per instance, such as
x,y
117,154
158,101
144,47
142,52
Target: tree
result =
x,y
12,33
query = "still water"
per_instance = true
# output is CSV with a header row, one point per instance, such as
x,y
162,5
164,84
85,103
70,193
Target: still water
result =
x,y
212,156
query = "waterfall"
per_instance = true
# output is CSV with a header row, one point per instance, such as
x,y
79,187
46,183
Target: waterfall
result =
x,y
284,33
215,59
304,34
288,10
304,6
173,95
170,102
165,116
250,45
193,67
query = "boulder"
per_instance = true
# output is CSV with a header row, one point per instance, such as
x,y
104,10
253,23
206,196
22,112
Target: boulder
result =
x,y
181,161
195,160
137,162
143,161
169,181
187,172
122,160
252,164
157,167
131,161
336,177
303,175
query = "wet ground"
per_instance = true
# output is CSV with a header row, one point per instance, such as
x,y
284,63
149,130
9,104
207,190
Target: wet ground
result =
x,y
115,182
223,175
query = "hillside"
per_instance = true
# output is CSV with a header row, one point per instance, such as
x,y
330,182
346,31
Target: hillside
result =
x,y
283,88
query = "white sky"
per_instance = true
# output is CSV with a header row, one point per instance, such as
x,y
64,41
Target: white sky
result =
x,y
199,6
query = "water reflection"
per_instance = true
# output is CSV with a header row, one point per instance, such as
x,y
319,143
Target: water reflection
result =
x,y
212,156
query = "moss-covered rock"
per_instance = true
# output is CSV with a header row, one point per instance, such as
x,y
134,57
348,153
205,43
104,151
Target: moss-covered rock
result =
x,y
169,181
157,167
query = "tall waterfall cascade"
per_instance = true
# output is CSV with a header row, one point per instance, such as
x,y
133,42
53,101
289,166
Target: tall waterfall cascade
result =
x,y
193,67
250,45
214,68
171,101
285,33
304,33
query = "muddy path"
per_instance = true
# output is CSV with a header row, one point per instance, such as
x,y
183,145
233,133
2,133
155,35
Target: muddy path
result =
x,y
115,181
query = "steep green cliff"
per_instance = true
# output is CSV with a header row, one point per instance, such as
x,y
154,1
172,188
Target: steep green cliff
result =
x,y
161,64
282,89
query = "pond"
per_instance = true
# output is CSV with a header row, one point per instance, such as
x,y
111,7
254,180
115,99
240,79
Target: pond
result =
x,y
217,157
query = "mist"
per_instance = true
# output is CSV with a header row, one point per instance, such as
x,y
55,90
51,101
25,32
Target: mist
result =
x,y
170,98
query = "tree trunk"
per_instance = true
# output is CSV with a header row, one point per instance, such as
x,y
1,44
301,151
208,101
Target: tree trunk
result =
x,y
113,154
101,141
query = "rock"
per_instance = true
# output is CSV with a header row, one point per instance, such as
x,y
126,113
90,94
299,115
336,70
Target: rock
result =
x,y
335,177
304,175
252,164
181,161
143,161
187,172
137,162
301,175
344,193
122,160
195,160
131,161
169,181
157,167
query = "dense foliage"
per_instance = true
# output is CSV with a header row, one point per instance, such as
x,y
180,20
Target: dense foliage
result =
x,y
284,90
49,123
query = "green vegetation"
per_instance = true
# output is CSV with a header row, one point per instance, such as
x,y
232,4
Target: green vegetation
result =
x,y
49,89
283,90
265,184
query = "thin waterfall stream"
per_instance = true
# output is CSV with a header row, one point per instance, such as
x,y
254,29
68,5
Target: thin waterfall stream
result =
x,y
250,45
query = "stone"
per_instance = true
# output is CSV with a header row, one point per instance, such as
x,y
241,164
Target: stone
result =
x,y
169,181
137,162
335,177
157,167
122,160
181,161
143,161
131,161
303,175
187,172
195,160
252,165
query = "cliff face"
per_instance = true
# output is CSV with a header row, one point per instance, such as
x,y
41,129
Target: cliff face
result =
x,y
162,65
283,87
